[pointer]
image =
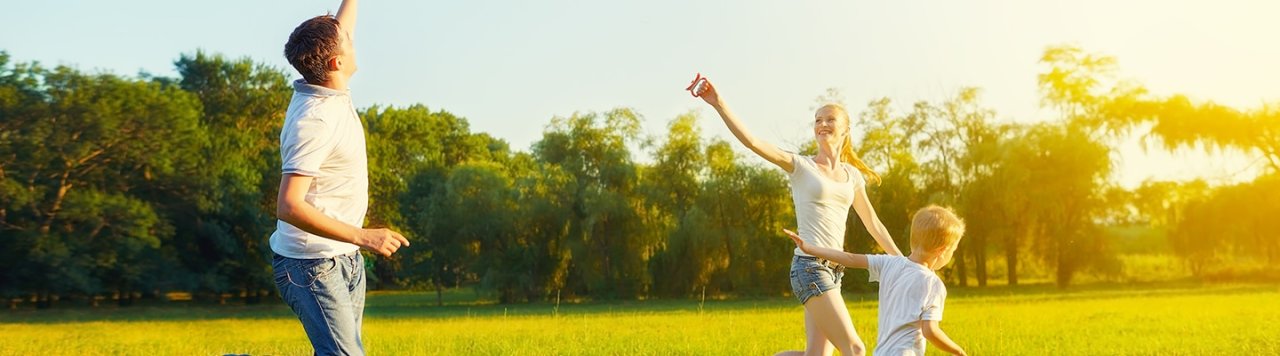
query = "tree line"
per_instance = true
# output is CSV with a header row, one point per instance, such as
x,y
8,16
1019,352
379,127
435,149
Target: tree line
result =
x,y
130,187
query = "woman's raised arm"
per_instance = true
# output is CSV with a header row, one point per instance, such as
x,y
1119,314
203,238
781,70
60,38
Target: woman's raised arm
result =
x,y
764,149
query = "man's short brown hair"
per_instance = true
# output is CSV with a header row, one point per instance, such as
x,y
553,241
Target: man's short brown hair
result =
x,y
312,45
933,227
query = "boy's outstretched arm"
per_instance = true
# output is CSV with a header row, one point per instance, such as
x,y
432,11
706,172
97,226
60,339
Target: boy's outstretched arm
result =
x,y
938,338
347,17
843,258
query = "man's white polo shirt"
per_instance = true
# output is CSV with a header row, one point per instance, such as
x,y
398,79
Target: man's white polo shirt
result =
x,y
323,138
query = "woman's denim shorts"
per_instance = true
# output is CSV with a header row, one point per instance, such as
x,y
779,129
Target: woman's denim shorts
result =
x,y
810,277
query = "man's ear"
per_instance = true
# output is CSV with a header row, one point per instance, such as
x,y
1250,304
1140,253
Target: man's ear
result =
x,y
334,64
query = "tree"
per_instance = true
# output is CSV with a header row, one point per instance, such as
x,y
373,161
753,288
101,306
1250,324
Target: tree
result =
x,y
411,152
75,144
1179,123
1066,168
1229,224
541,229
480,202
1084,90
224,208
887,146
671,186
608,248
957,143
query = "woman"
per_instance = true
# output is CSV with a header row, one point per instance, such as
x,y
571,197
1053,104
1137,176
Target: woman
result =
x,y
823,187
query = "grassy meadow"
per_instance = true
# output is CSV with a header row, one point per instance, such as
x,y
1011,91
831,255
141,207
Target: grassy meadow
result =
x,y
1155,319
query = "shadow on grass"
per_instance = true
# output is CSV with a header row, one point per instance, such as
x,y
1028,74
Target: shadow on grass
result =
x,y
466,303
1109,290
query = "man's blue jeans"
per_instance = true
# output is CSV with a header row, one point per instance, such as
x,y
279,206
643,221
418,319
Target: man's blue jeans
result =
x,y
327,294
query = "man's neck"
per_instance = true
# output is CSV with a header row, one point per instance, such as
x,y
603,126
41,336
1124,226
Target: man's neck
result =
x,y
335,83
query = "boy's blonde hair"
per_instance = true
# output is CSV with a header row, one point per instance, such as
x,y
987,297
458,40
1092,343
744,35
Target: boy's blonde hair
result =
x,y
933,227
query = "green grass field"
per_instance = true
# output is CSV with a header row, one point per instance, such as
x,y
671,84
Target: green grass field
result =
x,y
1157,319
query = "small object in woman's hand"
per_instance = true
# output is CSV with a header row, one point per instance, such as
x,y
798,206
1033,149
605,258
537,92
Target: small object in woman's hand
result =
x,y
697,86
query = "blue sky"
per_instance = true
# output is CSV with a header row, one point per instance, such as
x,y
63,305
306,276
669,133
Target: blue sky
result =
x,y
510,66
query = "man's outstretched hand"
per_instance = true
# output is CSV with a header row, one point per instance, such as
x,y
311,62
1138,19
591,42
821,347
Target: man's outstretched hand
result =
x,y
381,241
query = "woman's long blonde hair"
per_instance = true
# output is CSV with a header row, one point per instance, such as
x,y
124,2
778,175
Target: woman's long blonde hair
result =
x,y
846,150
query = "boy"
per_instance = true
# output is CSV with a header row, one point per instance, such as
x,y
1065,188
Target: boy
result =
x,y
911,294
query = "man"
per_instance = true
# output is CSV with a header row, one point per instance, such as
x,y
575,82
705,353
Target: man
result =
x,y
324,190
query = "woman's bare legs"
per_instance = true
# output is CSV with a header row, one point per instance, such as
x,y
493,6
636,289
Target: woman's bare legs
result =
x,y
828,327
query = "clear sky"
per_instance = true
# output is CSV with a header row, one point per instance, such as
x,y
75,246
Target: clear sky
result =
x,y
510,66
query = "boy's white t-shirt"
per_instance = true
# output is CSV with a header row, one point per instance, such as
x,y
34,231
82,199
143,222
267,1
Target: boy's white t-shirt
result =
x,y
323,138
909,293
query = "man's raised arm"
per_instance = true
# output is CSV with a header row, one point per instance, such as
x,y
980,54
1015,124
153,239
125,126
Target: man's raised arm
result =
x,y
347,17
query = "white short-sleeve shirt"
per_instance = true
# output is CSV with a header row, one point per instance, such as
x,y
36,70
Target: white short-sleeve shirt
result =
x,y
909,293
822,204
323,138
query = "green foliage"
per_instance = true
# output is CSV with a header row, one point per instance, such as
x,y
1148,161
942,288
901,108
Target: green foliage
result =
x,y
411,152
606,243
82,155
130,187
722,218
223,203
1230,225
1179,123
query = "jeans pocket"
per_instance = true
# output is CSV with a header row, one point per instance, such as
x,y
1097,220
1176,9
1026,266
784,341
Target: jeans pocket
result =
x,y
305,273
280,266
322,268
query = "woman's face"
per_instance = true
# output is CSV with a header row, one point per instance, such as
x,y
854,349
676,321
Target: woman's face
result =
x,y
830,125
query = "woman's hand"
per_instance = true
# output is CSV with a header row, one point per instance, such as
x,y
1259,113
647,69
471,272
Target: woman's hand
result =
x,y
768,151
707,93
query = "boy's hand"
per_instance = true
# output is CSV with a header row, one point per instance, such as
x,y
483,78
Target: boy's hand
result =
x,y
933,332
846,259
796,239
